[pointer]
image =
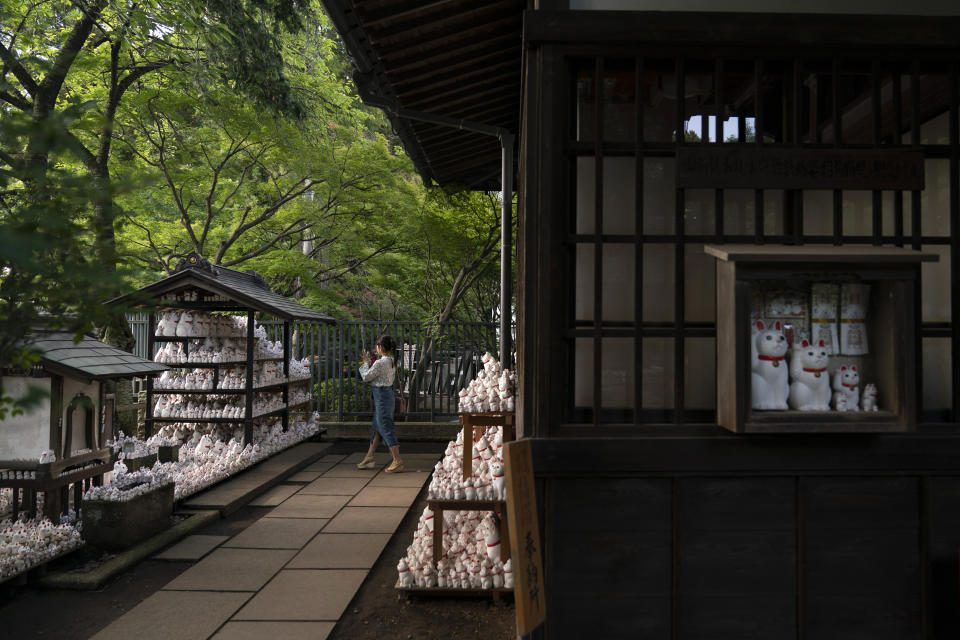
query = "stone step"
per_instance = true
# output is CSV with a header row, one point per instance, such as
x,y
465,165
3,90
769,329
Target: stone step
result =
x,y
230,495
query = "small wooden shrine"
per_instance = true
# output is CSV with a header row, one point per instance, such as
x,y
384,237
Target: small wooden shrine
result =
x,y
62,441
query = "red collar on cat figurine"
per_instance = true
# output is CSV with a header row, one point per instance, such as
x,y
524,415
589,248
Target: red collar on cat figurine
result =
x,y
816,371
850,386
763,357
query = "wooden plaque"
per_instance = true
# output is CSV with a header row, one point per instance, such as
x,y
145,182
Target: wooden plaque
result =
x,y
741,167
528,581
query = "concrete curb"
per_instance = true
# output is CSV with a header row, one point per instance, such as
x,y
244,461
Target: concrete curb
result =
x,y
97,577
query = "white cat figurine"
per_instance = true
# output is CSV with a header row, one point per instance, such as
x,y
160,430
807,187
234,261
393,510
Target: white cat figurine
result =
x,y
810,389
768,357
870,398
846,386
185,326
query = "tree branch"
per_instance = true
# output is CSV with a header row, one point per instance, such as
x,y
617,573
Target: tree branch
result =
x,y
19,71
16,100
49,87
300,225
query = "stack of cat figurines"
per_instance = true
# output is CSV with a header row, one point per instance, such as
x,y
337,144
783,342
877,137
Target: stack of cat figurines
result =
x,y
800,378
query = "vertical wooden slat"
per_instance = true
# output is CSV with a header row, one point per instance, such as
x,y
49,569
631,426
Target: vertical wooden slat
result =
x,y
638,247
676,606
151,343
926,531
679,284
248,395
793,205
758,140
598,240
915,201
837,126
897,141
876,109
954,235
801,538
718,129
837,217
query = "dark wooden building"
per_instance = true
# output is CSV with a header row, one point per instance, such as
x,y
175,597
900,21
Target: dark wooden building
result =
x,y
646,136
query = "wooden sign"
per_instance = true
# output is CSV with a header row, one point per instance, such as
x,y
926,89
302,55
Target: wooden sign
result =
x,y
738,167
528,582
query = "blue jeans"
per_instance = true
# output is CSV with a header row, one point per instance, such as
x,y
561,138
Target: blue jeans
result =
x,y
383,416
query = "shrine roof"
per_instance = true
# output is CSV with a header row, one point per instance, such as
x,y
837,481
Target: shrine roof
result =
x,y
89,358
244,291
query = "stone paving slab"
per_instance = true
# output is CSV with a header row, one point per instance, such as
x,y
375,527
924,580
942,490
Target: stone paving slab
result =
x,y
308,506
304,594
303,477
321,466
232,570
366,520
329,486
341,551
277,533
351,471
296,453
278,630
230,495
192,548
381,457
405,479
385,497
176,615
275,496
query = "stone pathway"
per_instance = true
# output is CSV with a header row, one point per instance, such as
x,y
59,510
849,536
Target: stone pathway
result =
x,y
292,573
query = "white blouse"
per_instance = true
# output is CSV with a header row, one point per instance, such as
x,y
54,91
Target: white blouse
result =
x,y
381,374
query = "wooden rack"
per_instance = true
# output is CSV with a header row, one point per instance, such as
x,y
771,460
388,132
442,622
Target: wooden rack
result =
x,y
251,359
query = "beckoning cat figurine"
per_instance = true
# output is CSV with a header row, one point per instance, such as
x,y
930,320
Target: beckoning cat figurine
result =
x,y
846,387
768,348
810,389
870,398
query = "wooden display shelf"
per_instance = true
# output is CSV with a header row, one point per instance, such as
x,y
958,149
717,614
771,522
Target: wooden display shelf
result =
x,y
451,592
467,505
217,365
474,423
188,338
278,386
228,420
439,506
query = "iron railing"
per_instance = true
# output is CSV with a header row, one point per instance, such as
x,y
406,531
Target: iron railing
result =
x,y
434,362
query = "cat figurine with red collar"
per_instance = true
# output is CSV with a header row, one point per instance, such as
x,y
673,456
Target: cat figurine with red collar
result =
x,y
846,386
770,384
810,388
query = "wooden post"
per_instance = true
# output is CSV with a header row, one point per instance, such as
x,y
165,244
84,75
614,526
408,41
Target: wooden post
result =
x,y
285,419
437,534
248,420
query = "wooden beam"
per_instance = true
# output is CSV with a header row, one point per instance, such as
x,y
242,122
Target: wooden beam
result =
x,y
741,29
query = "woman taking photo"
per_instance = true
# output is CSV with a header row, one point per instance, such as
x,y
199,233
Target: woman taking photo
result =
x,y
380,375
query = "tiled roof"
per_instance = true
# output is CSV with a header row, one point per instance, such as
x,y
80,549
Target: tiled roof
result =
x,y
88,358
245,291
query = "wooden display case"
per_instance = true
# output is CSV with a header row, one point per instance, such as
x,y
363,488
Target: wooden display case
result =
x,y
199,286
892,327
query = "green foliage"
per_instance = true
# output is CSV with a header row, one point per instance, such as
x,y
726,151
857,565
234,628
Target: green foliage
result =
x,y
357,397
134,133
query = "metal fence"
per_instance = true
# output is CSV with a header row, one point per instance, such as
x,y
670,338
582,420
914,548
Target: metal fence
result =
x,y
434,362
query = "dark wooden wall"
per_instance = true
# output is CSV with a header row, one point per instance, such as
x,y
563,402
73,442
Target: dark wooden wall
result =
x,y
839,542
687,532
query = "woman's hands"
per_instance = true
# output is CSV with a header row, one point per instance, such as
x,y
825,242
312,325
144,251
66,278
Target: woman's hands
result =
x,y
366,356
